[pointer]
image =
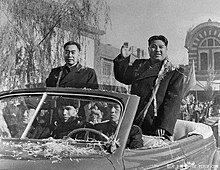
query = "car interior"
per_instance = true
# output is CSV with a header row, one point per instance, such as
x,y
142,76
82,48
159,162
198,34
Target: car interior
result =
x,y
75,117
86,118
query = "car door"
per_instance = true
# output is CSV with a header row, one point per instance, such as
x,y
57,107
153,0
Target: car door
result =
x,y
199,152
165,157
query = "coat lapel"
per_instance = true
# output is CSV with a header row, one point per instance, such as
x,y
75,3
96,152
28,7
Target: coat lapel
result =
x,y
71,75
150,72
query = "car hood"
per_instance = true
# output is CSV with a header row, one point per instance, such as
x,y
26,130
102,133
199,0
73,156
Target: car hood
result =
x,y
50,154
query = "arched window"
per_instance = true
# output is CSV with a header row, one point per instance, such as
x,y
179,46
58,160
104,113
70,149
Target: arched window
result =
x,y
217,43
209,54
204,44
217,61
210,42
204,61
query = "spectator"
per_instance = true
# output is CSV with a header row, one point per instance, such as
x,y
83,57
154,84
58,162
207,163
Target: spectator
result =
x,y
195,116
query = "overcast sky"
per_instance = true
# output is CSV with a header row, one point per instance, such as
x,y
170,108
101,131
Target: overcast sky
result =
x,y
136,20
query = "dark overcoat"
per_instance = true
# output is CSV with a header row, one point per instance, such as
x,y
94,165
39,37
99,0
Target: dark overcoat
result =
x,y
78,77
142,76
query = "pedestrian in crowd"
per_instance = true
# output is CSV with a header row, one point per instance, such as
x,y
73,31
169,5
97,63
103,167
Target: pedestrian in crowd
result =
x,y
195,110
158,83
195,116
72,74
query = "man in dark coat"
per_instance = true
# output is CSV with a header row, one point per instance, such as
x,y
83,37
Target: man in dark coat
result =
x,y
135,138
69,121
72,74
158,83
108,127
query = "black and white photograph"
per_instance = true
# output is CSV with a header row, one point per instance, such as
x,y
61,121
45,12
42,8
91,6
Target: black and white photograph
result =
x,y
109,84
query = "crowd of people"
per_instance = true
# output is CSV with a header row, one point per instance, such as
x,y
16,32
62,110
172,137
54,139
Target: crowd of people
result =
x,y
194,110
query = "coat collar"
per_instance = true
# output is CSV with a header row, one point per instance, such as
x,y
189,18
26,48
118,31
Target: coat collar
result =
x,y
152,71
66,78
149,71
77,67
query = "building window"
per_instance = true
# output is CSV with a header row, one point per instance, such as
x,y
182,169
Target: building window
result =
x,y
217,43
217,61
107,67
210,42
204,61
209,54
204,43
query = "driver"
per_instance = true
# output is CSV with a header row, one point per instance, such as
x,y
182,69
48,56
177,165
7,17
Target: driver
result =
x,y
69,120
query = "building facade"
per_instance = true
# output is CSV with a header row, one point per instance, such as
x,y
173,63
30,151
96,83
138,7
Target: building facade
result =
x,y
203,45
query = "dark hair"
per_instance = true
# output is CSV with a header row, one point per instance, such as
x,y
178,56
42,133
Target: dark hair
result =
x,y
62,102
72,43
158,37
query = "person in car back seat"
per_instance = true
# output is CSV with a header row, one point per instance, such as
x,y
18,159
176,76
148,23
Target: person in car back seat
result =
x,y
108,127
40,129
135,138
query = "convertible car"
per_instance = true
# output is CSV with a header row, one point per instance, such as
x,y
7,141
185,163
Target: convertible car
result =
x,y
57,128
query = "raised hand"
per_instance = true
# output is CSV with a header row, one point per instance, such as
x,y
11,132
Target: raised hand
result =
x,y
125,50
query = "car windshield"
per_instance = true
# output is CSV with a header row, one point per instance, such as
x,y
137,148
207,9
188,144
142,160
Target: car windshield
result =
x,y
59,116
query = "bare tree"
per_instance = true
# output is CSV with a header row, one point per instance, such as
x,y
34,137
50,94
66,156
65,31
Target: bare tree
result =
x,y
32,38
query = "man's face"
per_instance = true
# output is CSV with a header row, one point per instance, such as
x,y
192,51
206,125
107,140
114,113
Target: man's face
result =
x,y
157,51
115,113
67,112
71,55
27,115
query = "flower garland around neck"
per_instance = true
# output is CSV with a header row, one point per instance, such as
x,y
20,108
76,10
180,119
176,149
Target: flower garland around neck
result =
x,y
168,67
